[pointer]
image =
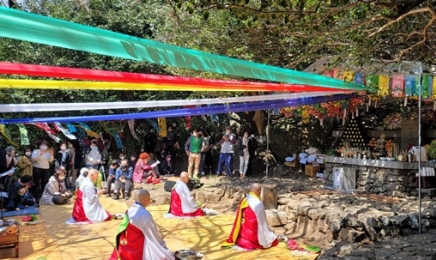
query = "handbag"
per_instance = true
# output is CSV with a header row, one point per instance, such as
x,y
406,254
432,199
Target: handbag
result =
x,y
59,200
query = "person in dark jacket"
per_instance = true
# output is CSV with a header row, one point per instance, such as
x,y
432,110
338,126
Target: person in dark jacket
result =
x,y
252,147
150,141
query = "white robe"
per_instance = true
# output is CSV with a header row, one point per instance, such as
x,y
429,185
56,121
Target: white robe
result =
x,y
265,236
188,203
94,211
154,245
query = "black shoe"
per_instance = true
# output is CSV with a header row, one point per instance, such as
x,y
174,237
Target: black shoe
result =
x,y
115,197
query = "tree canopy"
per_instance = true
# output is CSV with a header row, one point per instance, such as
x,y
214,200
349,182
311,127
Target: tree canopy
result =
x,y
295,33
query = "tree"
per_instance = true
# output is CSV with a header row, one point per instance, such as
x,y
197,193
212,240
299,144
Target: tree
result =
x,y
295,33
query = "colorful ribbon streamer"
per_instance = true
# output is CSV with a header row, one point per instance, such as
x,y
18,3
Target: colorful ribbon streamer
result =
x,y
64,131
252,106
131,124
24,136
71,128
88,85
13,108
153,124
45,30
114,76
5,133
48,130
118,140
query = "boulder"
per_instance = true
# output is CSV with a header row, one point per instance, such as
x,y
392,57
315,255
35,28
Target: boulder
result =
x,y
276,218
199,196
162,200
352,222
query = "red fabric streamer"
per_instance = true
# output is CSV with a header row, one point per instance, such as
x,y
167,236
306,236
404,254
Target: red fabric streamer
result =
x,y
114,76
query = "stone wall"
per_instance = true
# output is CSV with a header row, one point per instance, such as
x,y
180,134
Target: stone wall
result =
x,y
391,182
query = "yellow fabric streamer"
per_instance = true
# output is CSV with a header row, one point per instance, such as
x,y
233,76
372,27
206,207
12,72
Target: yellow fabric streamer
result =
x,y
92,133
162,123
6,136
383,85
91,85
305,116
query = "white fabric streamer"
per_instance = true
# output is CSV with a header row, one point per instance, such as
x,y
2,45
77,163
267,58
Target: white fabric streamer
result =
x,y
41,107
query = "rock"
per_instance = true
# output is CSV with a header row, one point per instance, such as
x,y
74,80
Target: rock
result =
x,y
211,197
282,207
345,250
292,215
316,214
374,222
284,201
280,170
276,218
352,222
199,196
162,200
351,235
400,220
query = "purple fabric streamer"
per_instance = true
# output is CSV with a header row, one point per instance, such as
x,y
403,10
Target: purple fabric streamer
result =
x,y
223,109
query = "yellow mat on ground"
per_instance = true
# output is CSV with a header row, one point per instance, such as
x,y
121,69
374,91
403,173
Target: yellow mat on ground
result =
x,y
58,241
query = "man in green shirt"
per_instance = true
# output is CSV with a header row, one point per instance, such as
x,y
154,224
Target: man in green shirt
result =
x,y
193,148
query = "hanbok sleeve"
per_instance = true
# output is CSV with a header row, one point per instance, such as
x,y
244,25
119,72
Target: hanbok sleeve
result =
x,y
265,235
90,195
188,203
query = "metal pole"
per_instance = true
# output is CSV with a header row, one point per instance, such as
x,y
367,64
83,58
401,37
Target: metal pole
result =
x,y
267,144
419,156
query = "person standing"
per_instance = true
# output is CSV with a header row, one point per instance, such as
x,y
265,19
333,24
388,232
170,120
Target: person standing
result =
x,y
252,147
63,157
226,152
206,153
41,159
25,164
93,158
150,141
11,162
193,147
138,237
244,155
76,161
170,140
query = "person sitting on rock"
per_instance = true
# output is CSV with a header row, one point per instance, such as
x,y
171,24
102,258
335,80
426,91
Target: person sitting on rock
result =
x,y
250,230
182,203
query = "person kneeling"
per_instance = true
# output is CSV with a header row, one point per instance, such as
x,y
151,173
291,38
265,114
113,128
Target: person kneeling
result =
x,y
182,203
123,180
87,207
138,237
21,200
55,191
250,229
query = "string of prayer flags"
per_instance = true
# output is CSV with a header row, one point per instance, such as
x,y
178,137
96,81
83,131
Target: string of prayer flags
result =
x,y
24,136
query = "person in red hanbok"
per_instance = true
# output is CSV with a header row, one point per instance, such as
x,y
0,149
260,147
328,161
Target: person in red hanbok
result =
x,y
138,237
182,203
250,230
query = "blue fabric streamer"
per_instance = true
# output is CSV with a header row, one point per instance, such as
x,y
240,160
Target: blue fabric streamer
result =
x,y
71,128
118,140
244,107
153,124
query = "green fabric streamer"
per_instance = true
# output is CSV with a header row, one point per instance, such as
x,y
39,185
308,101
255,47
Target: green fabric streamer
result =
x,y
45,30
23,134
